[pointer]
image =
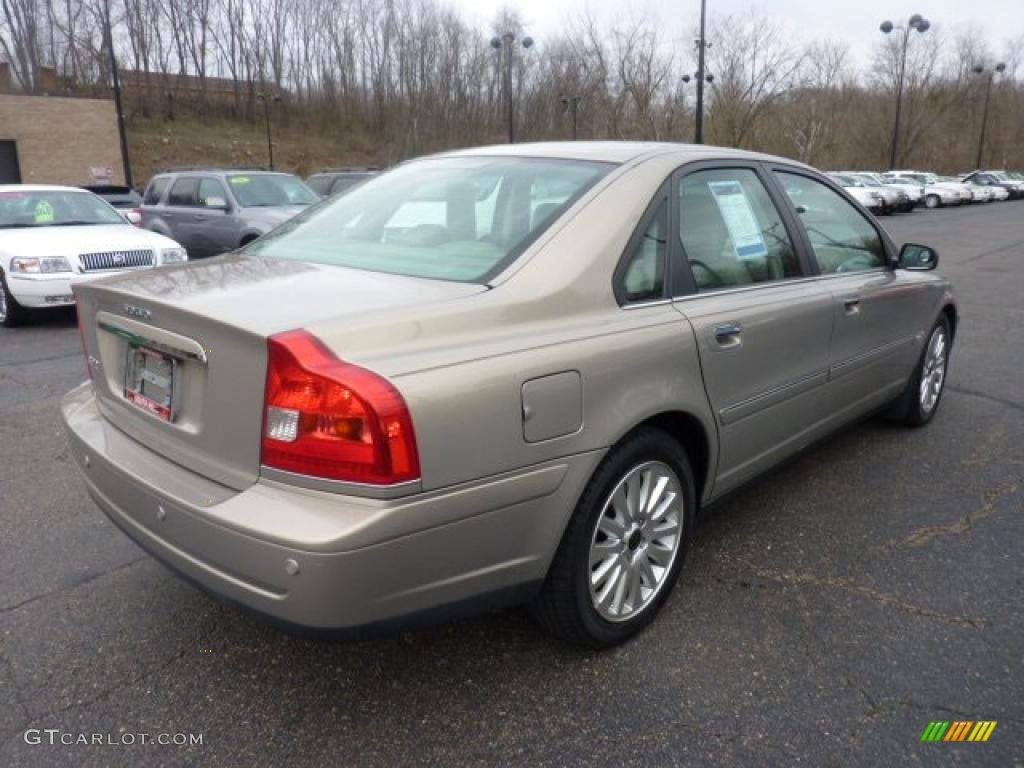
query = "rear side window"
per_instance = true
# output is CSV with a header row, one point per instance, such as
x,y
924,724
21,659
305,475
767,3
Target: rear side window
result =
x,y
731,232
184,192
842,239
455,218
643,278
155,190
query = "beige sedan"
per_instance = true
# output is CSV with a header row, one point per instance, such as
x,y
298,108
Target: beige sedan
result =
x,y
505,374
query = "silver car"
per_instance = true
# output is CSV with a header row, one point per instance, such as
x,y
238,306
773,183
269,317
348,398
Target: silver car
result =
x,y
506,374
211,211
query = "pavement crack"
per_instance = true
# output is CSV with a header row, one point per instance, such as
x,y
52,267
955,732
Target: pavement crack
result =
x,y
985,396
102,695
72,585
988,507
885,599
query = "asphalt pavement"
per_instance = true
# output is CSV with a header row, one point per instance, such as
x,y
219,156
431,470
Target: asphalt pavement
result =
x,y
827,614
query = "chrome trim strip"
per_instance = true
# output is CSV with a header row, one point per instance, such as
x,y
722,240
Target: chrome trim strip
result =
x,y
789,281
759,402
135,332
365,490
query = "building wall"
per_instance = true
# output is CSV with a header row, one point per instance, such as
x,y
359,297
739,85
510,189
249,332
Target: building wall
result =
x,y
59,139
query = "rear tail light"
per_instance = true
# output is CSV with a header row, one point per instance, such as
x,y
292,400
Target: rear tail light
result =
x,y
331,419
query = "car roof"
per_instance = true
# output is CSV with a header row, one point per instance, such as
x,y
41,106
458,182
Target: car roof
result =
x,y
613,151
38,188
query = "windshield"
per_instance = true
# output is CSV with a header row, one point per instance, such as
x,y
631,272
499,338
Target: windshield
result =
x,y
54,208
868,181
264,190
457,218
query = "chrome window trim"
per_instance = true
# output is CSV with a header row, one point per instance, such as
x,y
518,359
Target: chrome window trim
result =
x,y
776,283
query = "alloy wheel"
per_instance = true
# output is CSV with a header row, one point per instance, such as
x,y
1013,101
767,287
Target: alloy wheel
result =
x,y
933,374
635,541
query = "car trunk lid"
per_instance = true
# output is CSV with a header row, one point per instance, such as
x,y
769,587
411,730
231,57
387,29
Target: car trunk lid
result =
x,y
178,355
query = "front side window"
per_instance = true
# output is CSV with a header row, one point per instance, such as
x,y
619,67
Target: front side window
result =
x,y
842,239
21,209
266,190
644,276
731,232
211,189
455,218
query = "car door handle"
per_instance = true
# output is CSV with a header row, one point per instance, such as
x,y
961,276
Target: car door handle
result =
x,y
728,335
851,305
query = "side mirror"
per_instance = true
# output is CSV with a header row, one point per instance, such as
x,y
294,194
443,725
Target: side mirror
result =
x,y
217,203
919,258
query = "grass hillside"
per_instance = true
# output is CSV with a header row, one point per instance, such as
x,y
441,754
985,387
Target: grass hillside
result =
x,y
188,141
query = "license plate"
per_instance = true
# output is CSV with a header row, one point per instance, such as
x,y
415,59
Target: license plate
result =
x,y
149,381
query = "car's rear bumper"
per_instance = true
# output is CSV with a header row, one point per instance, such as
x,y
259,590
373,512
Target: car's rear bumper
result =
x,y
320,560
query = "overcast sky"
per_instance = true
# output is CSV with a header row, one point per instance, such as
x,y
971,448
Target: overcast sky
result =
x,y
853,21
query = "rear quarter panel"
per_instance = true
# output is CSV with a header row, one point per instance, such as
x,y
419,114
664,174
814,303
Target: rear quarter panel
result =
x,y
461,367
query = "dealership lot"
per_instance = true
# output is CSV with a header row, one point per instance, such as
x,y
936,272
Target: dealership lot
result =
x,y
828,613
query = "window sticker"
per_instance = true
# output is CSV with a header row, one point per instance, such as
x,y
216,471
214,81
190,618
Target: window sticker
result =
x,y
44,212
239,179
739,219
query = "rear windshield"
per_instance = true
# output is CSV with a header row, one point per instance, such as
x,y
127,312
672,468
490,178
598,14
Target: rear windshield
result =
x,y
265,190
459,218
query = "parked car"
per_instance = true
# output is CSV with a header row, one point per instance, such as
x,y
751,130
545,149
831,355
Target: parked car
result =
x,y
125,200
893,198
872,199
523,392
936,195
53,238
210,211
914,192
995,179
334,181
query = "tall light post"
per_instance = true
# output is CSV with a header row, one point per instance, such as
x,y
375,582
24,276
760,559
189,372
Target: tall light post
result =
x,y
699,117
702,46
122,131
574,102
266,99
991,73
506,41
920,24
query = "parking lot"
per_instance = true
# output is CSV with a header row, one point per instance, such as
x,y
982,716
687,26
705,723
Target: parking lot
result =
x,y
828,612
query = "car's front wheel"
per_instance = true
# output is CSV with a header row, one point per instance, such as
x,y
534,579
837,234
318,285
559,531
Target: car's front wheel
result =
x,y
625,544
11,312
932,201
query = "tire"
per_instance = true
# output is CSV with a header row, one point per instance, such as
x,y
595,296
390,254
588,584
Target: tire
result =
x,y
932,201
913,408
12,314
566,605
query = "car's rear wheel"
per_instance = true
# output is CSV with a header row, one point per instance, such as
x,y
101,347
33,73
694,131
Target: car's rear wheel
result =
x,y
12,314
919,402
625,544
932,201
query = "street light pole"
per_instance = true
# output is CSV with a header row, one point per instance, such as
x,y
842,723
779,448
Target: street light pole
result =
x,y
497,43
979,69
122,131
921,24
698,134
574,102
266,116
